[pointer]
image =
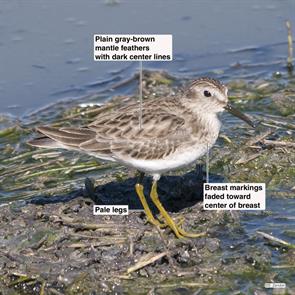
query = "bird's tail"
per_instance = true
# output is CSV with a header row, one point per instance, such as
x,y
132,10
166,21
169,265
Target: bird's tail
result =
x,y
66,138
45,142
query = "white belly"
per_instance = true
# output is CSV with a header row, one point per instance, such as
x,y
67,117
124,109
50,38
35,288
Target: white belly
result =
x,y
177,160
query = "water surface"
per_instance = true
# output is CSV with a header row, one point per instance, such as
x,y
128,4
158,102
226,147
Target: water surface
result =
x,y
46,46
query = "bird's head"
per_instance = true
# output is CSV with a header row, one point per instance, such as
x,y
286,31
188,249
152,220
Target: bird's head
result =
x,y
208,95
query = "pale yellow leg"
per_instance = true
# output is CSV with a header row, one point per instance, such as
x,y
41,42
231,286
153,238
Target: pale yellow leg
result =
x,y
179,232
147,210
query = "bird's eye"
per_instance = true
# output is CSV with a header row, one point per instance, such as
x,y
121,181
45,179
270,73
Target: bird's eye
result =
x,y
207,93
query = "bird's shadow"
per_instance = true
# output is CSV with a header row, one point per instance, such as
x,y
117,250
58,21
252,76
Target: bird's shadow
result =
x,y
176,192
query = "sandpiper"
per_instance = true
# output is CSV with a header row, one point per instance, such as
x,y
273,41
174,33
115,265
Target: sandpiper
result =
x,y
175,132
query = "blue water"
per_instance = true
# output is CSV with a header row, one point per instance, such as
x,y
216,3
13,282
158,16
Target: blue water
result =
x,y
46,46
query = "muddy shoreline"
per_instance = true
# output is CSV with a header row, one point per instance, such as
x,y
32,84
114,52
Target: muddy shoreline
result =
x,y
50,242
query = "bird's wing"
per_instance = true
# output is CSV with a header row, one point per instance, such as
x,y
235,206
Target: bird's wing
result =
x,y
149,148
139,148
120,134
157,121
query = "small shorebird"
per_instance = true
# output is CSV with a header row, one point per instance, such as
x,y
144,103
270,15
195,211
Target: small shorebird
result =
x,y
175,132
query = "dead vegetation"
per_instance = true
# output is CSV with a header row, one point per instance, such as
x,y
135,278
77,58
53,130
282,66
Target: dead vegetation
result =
x,y
50,242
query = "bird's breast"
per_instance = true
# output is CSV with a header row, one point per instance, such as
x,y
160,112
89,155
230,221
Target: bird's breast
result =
x,y
205,129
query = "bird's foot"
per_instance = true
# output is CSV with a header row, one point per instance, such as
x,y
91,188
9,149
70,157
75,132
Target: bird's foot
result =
x,y
179,220
156,222
178,230
168,221
186,234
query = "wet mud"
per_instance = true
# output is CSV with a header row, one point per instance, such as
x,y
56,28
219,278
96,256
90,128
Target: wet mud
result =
x,y
51,243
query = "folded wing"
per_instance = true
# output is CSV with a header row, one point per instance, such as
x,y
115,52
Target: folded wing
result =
x,y
119,135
